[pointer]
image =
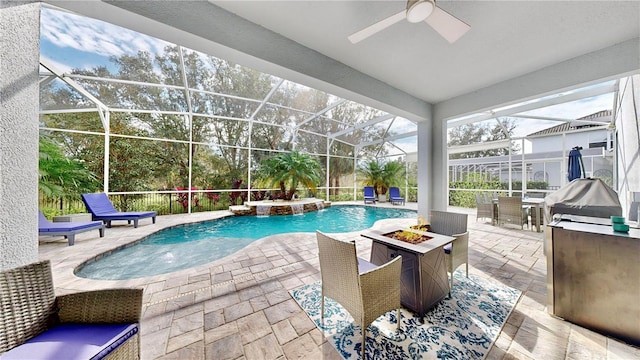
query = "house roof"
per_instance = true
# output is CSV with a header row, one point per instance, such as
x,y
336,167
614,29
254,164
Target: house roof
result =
x,y
603,116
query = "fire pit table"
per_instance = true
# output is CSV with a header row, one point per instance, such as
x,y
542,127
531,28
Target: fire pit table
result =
x,y
424,280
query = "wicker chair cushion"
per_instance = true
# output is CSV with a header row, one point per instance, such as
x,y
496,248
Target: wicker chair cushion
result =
x,y
74,341
447,248
364,266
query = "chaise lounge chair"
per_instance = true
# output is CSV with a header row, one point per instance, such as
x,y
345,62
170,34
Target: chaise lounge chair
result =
x,y
394,196
369,194
66,229
101,208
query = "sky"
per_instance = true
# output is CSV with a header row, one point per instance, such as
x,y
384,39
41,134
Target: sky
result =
x,y
69,41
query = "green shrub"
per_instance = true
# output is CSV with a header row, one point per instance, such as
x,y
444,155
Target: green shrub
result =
x,y
49,213
345,196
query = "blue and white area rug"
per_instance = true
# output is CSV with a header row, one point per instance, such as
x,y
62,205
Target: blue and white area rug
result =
x,y
463,326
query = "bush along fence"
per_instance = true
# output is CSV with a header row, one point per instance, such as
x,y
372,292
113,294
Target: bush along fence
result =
x,y
463,193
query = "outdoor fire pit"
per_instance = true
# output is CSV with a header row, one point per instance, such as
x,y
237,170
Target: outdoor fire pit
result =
x,y
408,236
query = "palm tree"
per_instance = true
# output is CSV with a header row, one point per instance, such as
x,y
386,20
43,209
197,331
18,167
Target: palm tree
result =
x,y
382,176
59,176
392,175
291,169
372,173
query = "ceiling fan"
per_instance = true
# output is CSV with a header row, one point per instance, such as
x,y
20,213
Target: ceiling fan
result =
x,y
447,25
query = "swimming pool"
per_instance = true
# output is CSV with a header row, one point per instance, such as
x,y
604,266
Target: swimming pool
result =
x,y
189,245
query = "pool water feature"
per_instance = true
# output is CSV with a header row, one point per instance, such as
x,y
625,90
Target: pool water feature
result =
x,y
263,210
189,245
297,209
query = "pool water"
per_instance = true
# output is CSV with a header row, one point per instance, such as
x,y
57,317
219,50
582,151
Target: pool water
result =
x,y
189,245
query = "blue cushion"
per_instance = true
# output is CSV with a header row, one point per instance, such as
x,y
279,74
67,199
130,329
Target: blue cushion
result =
x,y
69,226
447,248
98,203
129,215
74,341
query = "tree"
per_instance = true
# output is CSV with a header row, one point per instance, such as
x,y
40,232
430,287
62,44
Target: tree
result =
x,y
216,119
382,175
291,169
478,133
59,176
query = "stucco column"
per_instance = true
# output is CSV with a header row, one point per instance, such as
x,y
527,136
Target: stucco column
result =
x,y
440,184
425,170
19,97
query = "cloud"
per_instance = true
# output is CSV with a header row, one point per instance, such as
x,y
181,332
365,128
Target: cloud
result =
x,y
576,109
93,36
58,66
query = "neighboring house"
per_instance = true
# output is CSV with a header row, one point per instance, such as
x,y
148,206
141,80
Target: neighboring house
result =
x,y
549,151
590,133
586,132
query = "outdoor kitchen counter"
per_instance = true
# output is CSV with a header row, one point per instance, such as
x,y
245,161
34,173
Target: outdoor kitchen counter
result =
x,y
592,225
593,276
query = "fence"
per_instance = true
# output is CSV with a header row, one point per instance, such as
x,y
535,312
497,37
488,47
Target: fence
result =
x,y
177,202
165,203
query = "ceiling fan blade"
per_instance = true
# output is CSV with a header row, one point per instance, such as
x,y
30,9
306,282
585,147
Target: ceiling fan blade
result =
x,y
380,25
447,25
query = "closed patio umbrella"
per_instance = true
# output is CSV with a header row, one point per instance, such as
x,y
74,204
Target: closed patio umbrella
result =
x,y
576,167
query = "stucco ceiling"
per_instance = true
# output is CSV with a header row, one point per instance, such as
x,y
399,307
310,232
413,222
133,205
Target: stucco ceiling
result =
x,y
408,65
507,38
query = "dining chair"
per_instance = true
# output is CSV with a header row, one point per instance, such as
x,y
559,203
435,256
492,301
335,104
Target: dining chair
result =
x,y
484,209
457,252
511,211
365,290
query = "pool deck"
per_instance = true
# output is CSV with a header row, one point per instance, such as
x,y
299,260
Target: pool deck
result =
x,y
239,307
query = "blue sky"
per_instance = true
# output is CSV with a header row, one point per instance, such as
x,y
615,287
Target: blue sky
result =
x,y
70,41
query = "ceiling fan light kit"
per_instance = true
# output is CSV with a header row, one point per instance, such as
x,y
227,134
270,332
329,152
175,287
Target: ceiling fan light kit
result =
x,y
445,24
419,10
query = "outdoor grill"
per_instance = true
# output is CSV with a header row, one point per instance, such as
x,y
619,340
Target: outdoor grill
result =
x,y
593,272
583,197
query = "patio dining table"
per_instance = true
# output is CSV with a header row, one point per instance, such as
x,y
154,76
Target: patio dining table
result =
x,y
536,203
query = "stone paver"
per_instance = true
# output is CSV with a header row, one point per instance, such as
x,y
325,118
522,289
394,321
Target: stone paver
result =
x,y
239,307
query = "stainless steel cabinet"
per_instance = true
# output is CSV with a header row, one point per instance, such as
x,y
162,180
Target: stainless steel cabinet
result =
x,y
593,276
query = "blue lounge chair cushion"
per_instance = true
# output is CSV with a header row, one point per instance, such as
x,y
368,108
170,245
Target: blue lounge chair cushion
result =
x,y
369,194
101,208
68,229
129,215
394,195
69,226
74,341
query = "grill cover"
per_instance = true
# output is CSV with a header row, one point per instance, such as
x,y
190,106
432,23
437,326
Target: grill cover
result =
x,y
585,197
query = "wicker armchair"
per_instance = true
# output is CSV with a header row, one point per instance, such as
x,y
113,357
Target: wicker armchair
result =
x,y
29,308
511,211
484,208
452,224
363,289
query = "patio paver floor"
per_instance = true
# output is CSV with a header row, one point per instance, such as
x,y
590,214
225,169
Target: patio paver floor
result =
x,y
239,307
